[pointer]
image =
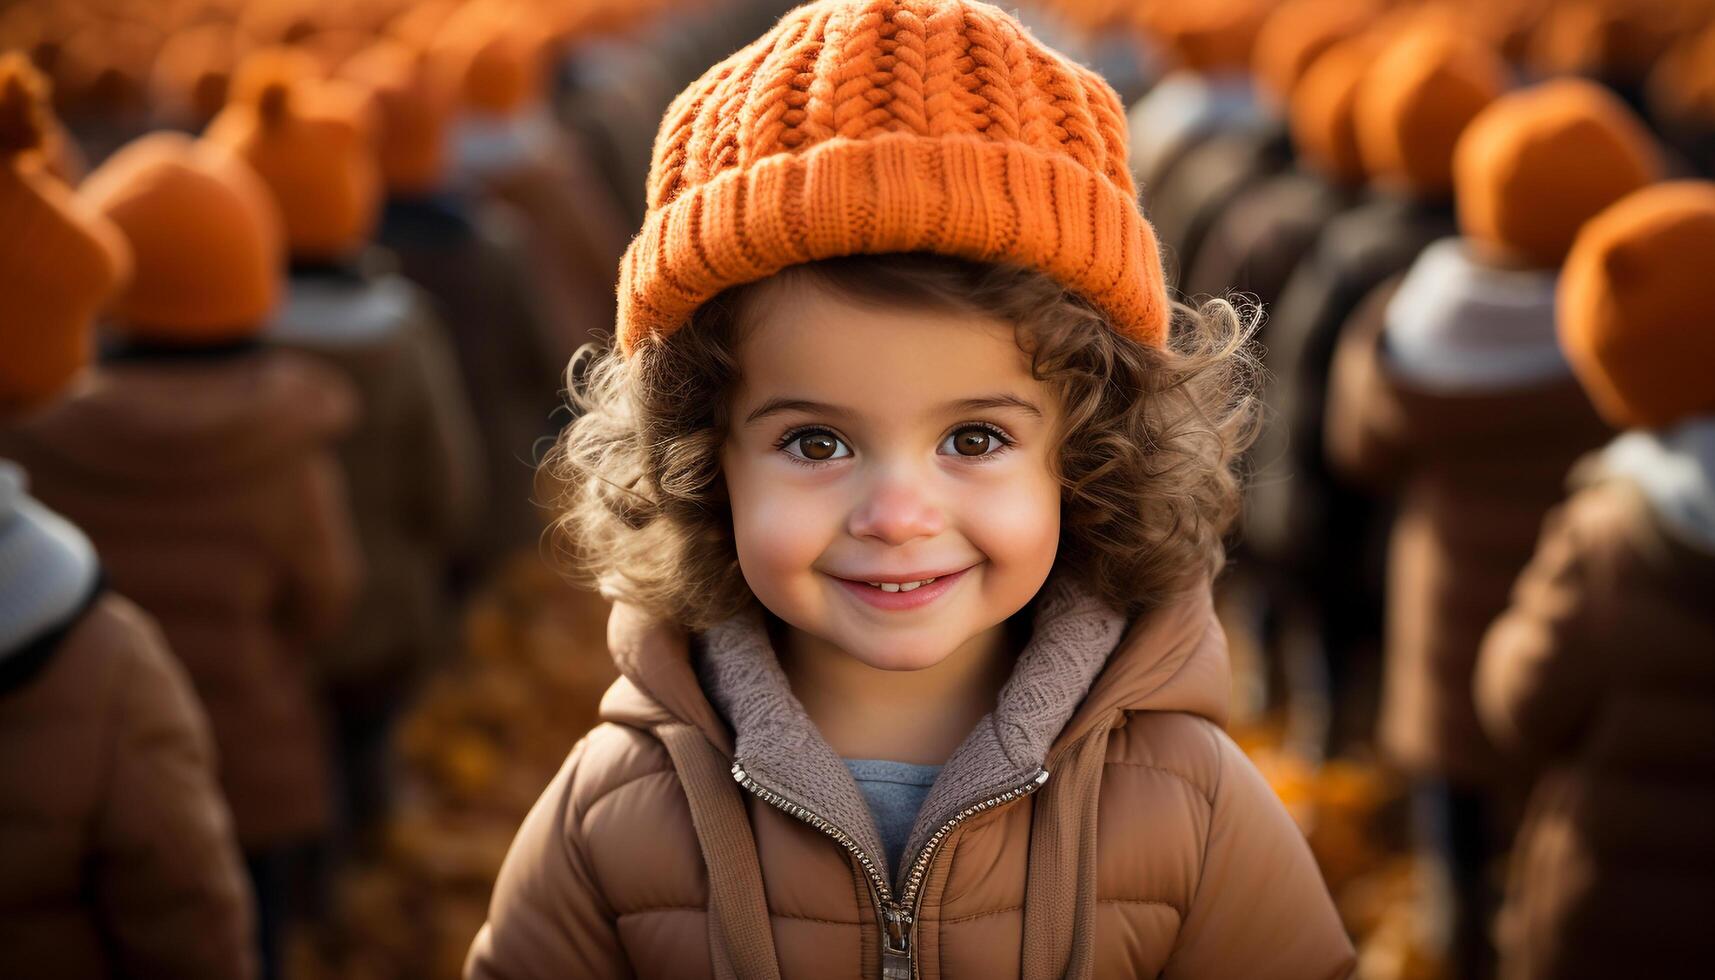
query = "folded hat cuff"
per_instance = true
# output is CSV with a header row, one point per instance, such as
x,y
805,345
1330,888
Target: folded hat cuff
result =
x,y
963,195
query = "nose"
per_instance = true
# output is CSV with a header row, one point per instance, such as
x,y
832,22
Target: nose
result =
x,y
895,511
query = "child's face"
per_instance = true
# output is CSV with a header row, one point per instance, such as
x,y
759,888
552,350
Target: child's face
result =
x,y
889,446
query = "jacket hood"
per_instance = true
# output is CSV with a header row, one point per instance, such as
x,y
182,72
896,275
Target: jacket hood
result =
x,y
47,566
1458,324
1675,469
176,420
1405,409
1082,667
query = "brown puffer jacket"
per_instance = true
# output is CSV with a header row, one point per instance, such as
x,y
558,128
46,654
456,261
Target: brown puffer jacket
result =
x,y
1097,823
209,487
116,851
412,463
1472,475
1602,672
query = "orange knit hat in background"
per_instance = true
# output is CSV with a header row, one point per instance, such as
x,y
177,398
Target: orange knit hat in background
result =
x,y
1322,114
495,58
192,71
311,146
1296,33
872,126
1425,86
205,235
1538,163
1209,35
1614,40
1682,84
414,109
59,261
1636,314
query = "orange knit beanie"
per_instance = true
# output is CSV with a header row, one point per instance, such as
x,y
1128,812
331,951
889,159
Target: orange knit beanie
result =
x,y
1682,84
873,126
310,146
1538,163
1425,86
414,108
1615,40
1297,33
59,261
192,71
497,62
1210,35
205,234
1636,314
1322,114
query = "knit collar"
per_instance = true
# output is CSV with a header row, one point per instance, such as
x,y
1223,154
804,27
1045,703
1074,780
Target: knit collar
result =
x,y
779,746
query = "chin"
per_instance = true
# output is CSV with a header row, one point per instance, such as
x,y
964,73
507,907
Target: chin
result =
x,y
883,652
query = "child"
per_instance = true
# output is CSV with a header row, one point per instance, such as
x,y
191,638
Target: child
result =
x,y
411,459
912,533
1599,673
469,256
1185,199
201,464
1315,537
1449,392
117,850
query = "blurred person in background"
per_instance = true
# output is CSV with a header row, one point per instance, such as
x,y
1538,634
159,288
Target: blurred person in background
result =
x,y
1450,393
201,464
1266,229
1185,198
117,855
412,458
834,367
471,256
1599,676
1202,95
1321,542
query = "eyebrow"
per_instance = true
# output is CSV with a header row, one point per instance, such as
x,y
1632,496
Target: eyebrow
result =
x,y
775,406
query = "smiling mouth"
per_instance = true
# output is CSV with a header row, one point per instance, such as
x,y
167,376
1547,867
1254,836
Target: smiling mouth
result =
x,y
901,594
901,586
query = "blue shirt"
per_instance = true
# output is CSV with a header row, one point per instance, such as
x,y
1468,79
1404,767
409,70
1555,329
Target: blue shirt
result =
x,y
894,792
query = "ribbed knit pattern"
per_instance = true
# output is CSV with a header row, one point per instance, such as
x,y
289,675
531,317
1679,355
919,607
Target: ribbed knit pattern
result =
x,y
875,126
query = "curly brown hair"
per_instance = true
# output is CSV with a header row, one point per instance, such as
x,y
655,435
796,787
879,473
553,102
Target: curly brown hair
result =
x,y
1148,448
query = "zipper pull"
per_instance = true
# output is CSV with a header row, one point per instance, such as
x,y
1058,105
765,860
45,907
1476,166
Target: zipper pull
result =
x,y
896,945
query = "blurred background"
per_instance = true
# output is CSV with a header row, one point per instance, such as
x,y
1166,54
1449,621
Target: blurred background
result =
x,y
453,183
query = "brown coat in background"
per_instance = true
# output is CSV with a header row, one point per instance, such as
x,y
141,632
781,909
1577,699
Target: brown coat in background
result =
x,y
412,463
1472,476
118,857
1603,673
208,485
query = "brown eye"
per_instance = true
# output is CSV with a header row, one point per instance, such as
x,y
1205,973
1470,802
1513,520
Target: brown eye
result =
x,y
817,446
974,441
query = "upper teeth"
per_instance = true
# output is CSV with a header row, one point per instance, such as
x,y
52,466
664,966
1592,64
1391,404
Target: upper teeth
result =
x,y
900,586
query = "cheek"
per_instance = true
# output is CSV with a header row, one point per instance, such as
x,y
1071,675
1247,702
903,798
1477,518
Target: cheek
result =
x,y
1016,524
779,529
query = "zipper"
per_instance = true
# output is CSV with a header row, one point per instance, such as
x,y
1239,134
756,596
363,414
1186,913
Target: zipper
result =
x,y
898,918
